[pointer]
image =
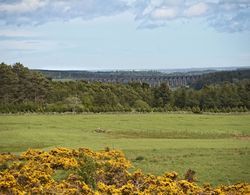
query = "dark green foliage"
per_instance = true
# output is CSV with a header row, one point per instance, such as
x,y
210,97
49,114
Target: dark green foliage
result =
x,y
87,170
221,77
180,98
139,158
196,110
22,90
4,166
162,95
142,106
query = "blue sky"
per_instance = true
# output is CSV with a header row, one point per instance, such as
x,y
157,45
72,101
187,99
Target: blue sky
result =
x,y
125,34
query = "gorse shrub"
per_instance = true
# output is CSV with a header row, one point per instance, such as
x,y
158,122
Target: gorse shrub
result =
x,y
82,171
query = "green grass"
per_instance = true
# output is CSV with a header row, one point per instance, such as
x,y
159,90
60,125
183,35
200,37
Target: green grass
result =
x,y
217,147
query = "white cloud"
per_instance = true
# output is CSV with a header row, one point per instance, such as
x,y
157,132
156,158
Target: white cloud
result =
x,y
196,10
32,12
223,15
226,16
23,6
164,13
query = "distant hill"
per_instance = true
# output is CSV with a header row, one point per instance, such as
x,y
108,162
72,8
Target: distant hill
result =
x,y
81,74
202,70
220,77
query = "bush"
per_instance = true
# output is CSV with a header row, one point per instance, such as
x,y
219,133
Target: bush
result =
x,y
82,171
87,170
168,108
196,110
141,106
139,158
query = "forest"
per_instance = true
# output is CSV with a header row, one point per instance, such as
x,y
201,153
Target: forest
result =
x,y
24,90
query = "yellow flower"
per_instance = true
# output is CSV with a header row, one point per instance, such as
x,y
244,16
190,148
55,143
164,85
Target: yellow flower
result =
x,y
33,171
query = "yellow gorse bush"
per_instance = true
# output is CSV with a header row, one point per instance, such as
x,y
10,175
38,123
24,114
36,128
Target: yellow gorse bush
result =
x,y
34,172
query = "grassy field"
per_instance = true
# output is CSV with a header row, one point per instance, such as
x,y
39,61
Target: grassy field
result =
x,y
217,147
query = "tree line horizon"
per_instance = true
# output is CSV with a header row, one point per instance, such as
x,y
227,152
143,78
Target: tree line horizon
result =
x,y
24,90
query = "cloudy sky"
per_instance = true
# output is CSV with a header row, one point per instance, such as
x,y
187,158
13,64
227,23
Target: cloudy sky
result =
x,y
125,34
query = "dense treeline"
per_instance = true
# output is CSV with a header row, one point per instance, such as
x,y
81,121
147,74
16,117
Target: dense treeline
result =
x,y
220,77
78,75
22,90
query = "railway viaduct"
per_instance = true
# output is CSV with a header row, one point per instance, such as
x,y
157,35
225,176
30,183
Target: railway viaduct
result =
x,y
172,81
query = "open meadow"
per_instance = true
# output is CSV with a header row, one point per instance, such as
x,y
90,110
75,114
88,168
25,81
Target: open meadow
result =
x,y
216,146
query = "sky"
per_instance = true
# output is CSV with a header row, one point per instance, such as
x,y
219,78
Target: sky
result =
x,y
125,34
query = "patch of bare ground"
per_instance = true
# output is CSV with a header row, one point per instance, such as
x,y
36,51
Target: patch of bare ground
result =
x,y
242,137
